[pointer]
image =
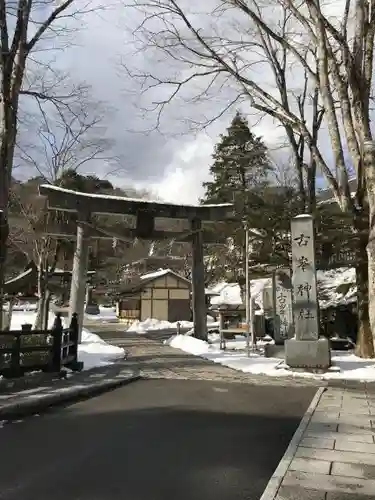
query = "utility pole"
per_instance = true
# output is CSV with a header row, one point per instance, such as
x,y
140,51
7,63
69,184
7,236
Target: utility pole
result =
x,y
3,238
253,332
247,290
249,302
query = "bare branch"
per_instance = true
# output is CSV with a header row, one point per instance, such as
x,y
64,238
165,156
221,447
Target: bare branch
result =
x,y
48,22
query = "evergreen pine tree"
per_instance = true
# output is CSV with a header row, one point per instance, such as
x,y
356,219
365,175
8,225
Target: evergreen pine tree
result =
x,y
240,164
240,174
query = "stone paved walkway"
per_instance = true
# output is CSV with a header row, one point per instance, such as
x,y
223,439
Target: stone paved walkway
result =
x,y
156,360
335,459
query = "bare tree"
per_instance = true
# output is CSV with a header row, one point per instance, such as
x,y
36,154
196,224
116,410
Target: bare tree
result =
x,y
22,31
336,68
60,138
305,99
215,58
28,238
68,141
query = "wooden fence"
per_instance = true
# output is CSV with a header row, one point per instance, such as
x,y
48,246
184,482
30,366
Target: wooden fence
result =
x,y
30,350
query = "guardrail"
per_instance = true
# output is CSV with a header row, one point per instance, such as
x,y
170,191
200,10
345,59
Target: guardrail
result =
x,y
28,350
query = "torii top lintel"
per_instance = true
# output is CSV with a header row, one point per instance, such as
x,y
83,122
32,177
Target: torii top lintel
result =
x,y
68,200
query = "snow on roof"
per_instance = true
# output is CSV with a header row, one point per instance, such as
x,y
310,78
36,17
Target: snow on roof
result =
x,y
64,271
19,276
155,274
207,291
230,293
336,287
160,273
333,199
124,198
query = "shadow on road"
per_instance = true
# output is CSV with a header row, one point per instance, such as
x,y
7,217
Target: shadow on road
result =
x,y
154,440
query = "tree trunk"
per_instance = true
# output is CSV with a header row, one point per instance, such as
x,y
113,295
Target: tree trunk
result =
x,y
47,302
38,324
371,281
311,187
365,345
8,133
4,231
369,163
10,314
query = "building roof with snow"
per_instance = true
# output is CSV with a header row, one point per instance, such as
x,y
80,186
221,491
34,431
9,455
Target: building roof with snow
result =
x,y
142,281
326,195
336,288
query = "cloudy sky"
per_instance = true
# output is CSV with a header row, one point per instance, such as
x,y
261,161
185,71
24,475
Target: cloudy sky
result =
x,y
173,165
173,161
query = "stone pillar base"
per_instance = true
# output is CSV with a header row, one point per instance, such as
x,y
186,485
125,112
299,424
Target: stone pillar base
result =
x,y
308,353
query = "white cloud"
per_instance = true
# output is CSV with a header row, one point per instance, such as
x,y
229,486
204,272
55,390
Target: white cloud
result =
x,y
173,166
183,177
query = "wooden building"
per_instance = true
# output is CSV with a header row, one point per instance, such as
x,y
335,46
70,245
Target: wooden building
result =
x,y
162,295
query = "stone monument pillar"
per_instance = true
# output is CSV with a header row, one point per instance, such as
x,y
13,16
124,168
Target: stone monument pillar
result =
x,y
283,323
306,349
268,301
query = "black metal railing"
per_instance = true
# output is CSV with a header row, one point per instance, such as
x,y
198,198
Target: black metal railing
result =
x,y
28,350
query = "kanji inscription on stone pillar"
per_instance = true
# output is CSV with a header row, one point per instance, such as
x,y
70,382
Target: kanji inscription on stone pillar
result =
x,y
305,303
283,306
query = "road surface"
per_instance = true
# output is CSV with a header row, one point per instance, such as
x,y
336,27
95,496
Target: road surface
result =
x,y
154,440
149,357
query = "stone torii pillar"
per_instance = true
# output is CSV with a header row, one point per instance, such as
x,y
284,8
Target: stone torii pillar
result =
x,y
79,273
198,285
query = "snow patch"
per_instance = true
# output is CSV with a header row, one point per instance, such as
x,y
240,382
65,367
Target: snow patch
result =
x,y
156,324
93,350
106,314
348,366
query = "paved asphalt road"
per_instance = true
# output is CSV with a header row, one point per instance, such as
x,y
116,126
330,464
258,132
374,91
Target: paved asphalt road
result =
x,y
154,440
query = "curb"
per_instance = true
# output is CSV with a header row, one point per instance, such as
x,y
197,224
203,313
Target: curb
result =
x,y
277,477
40,404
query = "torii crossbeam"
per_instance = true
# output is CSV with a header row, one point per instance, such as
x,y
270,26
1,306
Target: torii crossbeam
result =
x,y
145,212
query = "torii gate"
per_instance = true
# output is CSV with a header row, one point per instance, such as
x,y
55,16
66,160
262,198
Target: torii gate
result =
x,y
146,214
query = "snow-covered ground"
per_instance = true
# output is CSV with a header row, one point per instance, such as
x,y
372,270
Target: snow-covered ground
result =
x,y
156,324
107,314
346,366
93,350
22,306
